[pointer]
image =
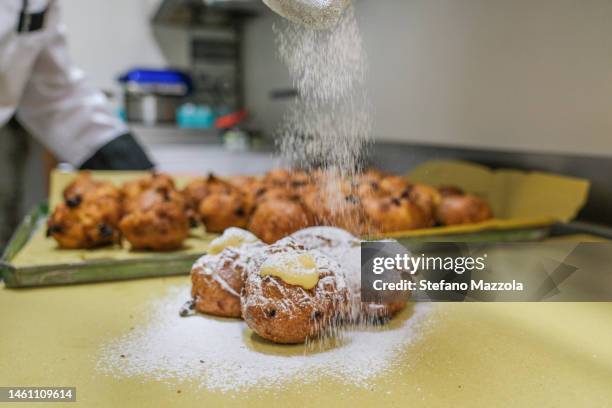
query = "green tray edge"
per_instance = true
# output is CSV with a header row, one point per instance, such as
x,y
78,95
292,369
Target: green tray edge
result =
x,y
24,231
490,236
98,271
82,272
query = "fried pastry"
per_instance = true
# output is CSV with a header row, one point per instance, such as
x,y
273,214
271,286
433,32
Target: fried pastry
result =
x,y
82,184
457,209
450,190
251,187
217,278
391,214
342,211
370,189
275,219
152,197
216,283
393,185
198,189
156,219
368,184
286,178
89,215
84,188
219,211
270,193
279,177
87,225
161,227
426,198
344,248
291,295
132,190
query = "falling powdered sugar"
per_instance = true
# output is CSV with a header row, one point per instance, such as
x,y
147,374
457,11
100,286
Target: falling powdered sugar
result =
x,y
328,65
329,124
219,354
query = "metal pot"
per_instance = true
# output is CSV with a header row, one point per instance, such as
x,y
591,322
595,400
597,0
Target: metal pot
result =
x,y
153,96
150,109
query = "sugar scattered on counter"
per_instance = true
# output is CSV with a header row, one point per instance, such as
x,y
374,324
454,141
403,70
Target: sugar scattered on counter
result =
x,y
214,354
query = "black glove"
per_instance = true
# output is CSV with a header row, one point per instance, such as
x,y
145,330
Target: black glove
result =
x,y
121,153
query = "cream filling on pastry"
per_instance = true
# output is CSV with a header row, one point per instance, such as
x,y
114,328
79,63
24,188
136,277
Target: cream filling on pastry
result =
x,y
294,268
231,238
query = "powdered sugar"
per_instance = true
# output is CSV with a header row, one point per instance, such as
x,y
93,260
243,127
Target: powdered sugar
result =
x,y
220,354
238,256
329,125
330,292
329,240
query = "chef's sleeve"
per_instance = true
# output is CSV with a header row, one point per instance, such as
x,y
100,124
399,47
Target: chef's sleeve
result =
x,y
69,116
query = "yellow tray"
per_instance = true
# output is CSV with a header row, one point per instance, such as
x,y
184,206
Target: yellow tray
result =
x,y
523,205
519,199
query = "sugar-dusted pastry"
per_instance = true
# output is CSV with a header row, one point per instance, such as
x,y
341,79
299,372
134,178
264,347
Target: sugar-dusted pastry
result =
x,y
332,241
217,278
345,249
291,295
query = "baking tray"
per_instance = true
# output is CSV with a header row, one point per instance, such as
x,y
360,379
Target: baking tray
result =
x,y
31,259
163,264
100,268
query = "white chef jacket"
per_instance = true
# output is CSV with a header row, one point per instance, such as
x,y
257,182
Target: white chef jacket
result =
x,y
51,96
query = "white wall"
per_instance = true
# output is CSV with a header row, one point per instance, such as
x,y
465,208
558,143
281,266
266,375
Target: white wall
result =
x,y
514,74
108,37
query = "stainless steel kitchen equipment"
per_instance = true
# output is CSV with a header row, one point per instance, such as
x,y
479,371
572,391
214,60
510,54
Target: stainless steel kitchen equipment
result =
x,y
211,32
153,96
150,109
317,14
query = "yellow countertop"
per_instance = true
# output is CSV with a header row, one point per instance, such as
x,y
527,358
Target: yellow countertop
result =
x,y
467,354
